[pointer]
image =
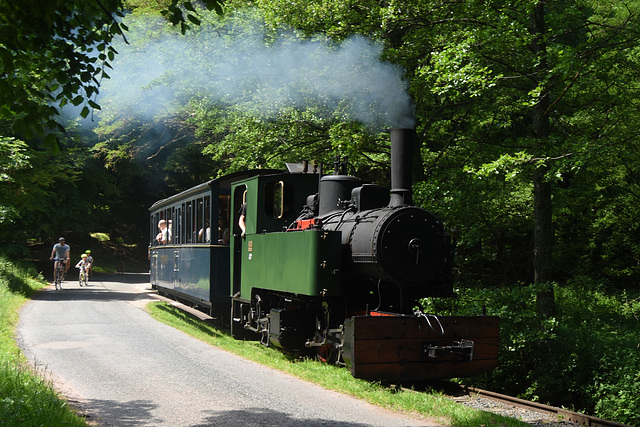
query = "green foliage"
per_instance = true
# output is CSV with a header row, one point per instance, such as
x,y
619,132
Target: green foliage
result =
x,y
593,336
295,136
58,52
616,386
30,400
489,210
38,192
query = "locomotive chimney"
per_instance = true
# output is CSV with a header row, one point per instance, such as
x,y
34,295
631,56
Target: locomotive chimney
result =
x,y
402,142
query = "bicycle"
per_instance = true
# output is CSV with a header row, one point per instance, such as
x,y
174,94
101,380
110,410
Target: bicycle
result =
x,y
83,277
59,272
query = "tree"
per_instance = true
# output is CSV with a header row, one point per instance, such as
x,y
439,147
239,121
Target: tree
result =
x,y
38,191
513,98
57,52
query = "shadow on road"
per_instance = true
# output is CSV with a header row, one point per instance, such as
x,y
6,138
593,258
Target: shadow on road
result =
x,y
267,417
140,413
105,288
132,278
115,413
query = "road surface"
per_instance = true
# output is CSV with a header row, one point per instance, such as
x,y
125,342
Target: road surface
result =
x,y
121,367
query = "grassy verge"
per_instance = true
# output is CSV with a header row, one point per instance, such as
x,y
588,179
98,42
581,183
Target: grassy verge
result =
x,y
434,405
25,398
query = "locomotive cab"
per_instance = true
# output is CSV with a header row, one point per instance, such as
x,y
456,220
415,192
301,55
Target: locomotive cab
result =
x,y
277,272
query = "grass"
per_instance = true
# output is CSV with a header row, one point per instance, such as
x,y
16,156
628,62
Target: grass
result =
x,y
429,405
26,399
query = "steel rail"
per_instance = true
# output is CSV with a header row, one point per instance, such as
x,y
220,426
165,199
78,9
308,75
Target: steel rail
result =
x,y
586,420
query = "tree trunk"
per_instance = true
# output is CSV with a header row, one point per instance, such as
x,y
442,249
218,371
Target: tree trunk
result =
x,y
543,232
543,241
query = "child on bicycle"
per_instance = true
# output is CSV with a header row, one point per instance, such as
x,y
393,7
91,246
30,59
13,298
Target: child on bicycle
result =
x,y
90,260
83,263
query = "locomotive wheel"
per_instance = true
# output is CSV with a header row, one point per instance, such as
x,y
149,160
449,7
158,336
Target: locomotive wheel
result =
x,y
327,354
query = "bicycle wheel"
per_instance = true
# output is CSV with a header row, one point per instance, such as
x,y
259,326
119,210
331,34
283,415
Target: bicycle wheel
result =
x,y
58,279
81,278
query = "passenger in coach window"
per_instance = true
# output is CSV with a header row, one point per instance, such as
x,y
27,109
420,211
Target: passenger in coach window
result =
x,y
223,231
163,235
204,235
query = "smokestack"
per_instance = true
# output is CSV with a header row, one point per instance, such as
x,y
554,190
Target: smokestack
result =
x,y
402,142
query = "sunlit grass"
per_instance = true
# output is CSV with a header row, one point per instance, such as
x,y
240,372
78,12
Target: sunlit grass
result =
x,y
25,397
428,405
101,237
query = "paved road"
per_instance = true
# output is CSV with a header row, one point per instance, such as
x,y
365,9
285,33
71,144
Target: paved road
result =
x,y
122,368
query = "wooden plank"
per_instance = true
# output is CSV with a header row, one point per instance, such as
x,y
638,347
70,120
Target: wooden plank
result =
x,y
380,327
193,311
420,371
372,351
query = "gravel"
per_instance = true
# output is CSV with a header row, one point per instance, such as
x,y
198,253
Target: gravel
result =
x,y
533,418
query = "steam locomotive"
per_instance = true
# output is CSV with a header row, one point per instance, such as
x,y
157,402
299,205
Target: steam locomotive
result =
x,y
326,264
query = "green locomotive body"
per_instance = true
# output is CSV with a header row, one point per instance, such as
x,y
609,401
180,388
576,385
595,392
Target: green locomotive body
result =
x,y
295,262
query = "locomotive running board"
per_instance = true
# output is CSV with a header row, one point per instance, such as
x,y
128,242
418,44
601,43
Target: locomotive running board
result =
x,y
406,348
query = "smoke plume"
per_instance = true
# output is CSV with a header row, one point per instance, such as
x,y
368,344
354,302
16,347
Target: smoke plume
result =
x,y
242,66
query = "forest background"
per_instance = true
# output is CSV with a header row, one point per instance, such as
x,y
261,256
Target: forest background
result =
x,y
526,114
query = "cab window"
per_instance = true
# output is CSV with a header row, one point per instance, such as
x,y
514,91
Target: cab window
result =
x,y
279,199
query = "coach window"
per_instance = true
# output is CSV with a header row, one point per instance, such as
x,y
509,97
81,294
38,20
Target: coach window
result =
x,y
195,226
164,215
153,230
188,223
171,220
224,231
180,224
279,199
206,215
199,221
194,221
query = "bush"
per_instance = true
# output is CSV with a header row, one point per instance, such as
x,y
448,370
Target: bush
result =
x,y
586,358
616,386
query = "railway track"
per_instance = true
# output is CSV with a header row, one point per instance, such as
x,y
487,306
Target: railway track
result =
x,y
532,413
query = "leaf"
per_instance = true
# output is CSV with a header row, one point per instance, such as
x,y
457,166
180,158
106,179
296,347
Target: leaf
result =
x,y
193,19
187,5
